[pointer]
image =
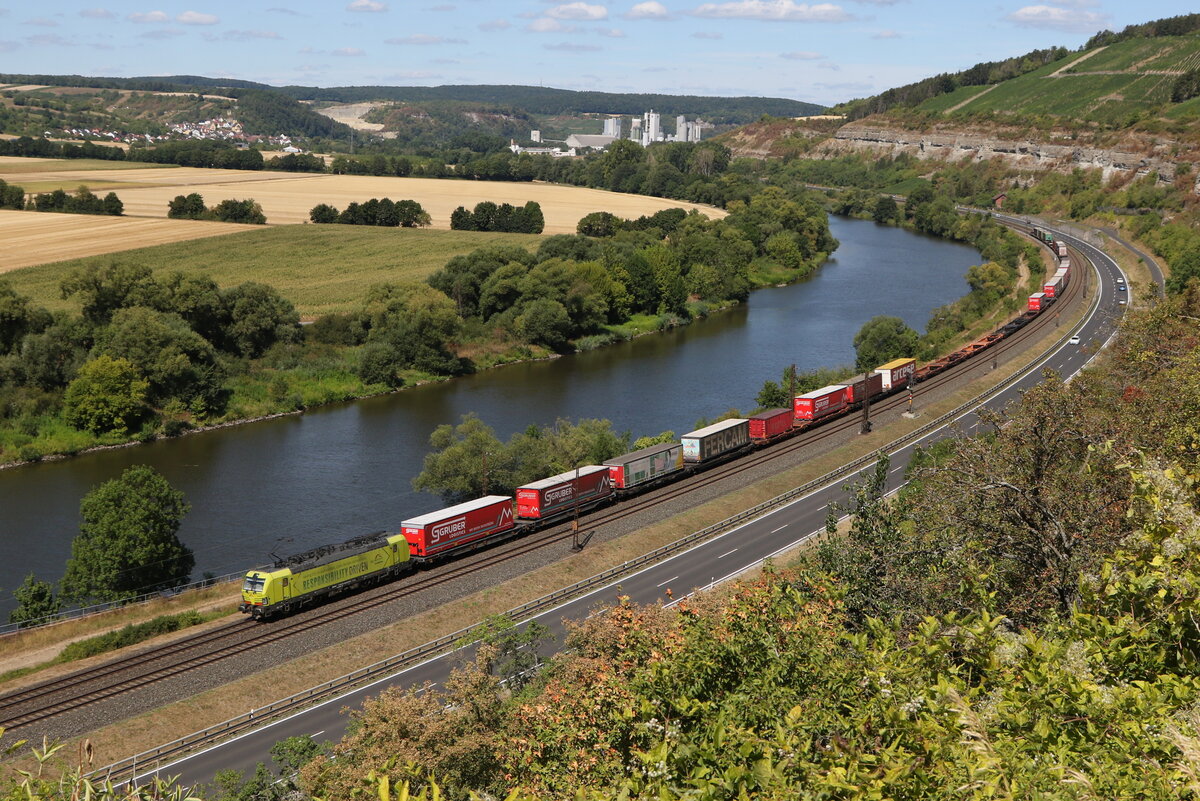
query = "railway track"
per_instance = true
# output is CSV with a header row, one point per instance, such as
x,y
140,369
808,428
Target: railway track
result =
x,y
47,700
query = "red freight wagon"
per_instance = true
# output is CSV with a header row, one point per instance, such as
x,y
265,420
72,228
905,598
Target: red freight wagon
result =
x,y
1039,301
447,529
1053,287
820,403
897,373
645,464
864,386
544,498
770,423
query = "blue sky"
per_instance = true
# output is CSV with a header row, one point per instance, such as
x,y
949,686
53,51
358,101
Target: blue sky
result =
x,y
820,52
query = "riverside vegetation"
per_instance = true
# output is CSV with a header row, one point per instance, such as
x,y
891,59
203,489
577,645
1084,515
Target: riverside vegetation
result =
x,y
151,354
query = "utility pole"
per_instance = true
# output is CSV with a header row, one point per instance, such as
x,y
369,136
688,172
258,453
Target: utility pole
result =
x,y
866,415
576,545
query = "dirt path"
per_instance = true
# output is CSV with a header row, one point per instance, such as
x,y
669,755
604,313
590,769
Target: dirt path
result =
x,y
1062,70
971,99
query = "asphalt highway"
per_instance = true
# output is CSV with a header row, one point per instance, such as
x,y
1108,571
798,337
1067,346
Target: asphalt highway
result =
x,y
723,557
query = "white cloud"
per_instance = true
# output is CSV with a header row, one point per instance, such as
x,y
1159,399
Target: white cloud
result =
x,y
708,35
888,34
1063,19
648,10
347,51
148,17
291,12
196,18
422,39
495,25
97,13
571,47
612,33
801,55
582,11
774,11
367,5
547,25
161,33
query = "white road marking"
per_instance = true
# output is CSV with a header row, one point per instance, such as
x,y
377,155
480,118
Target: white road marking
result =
x,y
722,556
668,581
317,734
781,528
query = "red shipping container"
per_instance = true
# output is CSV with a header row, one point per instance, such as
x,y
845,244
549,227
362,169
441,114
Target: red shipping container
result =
x,y
1038,301
770,423
450,528
820,403
554,494
867,385
1051,288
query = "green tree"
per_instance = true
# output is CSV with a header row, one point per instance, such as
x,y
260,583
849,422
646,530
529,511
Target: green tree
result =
x,y
881,339
463,460
258,318
323,213
101,290
127,543
188,207
112,205
35,600
886,210
18,318
107,395
544,322
599,224
178,362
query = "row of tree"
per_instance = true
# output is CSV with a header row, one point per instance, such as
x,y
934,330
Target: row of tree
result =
x,y
505,217
82,202
385,212
191,207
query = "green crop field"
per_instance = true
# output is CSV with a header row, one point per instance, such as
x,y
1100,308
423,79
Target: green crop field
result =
x,y
320,268
1107,87
1161,53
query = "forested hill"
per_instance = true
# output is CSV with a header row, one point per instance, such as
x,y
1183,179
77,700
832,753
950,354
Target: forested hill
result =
x,y
537,100
543,100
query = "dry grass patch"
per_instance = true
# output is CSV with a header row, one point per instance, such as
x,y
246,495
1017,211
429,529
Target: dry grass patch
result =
x,y
32,237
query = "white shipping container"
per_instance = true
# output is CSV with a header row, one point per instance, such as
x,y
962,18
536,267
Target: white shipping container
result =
x,y
705,443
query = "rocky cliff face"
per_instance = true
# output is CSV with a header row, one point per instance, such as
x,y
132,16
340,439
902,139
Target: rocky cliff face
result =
x,y
1124,153
1143,157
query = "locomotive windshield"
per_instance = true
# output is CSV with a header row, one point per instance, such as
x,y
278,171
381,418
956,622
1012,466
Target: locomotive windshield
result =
x,y
253,584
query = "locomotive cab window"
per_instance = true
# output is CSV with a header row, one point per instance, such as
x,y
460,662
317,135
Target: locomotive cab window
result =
x,y
253,584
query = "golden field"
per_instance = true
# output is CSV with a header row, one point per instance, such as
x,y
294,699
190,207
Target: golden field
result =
x,y
286,198
28,238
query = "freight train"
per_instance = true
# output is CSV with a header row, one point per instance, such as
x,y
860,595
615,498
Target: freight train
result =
x,y
315,575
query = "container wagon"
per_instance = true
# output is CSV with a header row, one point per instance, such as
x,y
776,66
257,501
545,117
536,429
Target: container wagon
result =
x,y
716,440
897,373
451,528
317,574
863,387
1038,301
1053,287
820,402
770,423
1061,249
645,465
565,491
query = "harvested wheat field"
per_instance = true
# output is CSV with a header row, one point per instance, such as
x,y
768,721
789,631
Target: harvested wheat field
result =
x,y
286,198
31,237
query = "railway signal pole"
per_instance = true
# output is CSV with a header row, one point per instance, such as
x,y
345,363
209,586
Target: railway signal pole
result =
x,y
866,414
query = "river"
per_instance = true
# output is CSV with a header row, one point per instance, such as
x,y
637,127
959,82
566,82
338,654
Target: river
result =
x,y
292,483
